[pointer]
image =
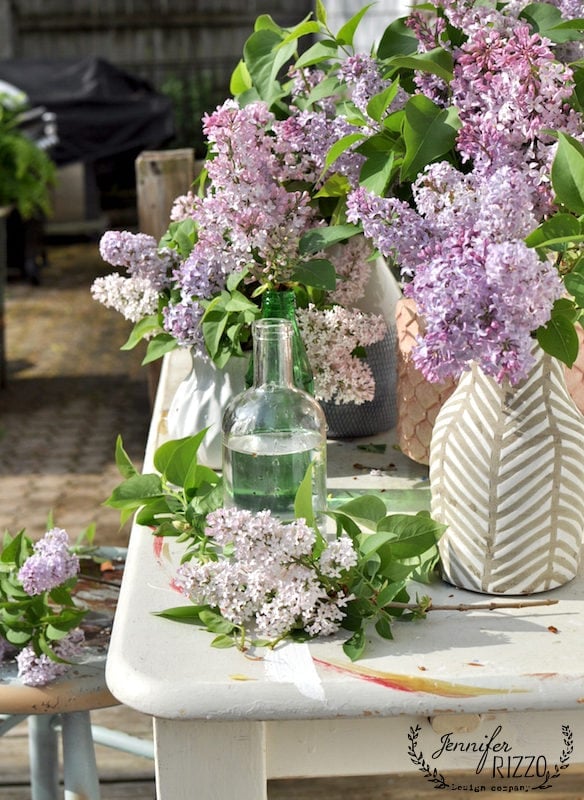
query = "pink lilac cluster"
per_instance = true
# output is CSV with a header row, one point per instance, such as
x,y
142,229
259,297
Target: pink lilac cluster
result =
x,y
479,289
38,670
353,267
270,578
50,565
135,294
331,336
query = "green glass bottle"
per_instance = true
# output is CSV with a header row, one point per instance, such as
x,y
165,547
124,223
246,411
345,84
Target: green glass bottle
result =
x,y
281,304
273,432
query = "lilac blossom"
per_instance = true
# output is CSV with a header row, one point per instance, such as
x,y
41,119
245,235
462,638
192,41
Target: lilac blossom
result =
x,y
304,140
330,337
352,264
50,565
269,579
362,73
134,298
38,670
480,290
139,254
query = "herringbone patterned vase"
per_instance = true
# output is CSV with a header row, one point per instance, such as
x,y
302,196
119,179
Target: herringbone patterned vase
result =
x,y
507,477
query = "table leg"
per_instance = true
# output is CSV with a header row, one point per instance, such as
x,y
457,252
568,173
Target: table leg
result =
x,y
79,765
43,750
203,760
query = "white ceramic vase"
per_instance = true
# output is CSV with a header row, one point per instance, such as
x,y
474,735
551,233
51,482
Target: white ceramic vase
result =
x,y
507,478
200,400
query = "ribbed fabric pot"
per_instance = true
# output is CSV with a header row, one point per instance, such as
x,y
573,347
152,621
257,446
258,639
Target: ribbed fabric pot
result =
x,y
507,477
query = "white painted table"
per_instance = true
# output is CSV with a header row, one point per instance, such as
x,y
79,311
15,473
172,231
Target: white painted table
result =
x,y
497,693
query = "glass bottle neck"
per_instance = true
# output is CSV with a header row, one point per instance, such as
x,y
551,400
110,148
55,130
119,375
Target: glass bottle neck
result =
x,y
280,304
272,352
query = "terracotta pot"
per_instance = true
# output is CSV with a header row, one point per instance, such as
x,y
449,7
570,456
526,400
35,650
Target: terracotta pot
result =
x,y
575,375
418,400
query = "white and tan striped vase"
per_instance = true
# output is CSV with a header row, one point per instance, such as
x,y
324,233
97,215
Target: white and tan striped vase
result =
x,y
507,477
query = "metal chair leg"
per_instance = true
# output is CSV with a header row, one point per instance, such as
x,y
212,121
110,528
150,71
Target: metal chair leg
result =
x,y
79,764
44,757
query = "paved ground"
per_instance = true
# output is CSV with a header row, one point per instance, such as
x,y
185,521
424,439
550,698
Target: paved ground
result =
x,y
70,392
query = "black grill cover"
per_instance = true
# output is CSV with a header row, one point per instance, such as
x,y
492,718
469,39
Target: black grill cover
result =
x,y
101,110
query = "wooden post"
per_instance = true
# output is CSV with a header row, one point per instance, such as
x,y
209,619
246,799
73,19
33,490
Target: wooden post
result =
x,y
161,176
4,212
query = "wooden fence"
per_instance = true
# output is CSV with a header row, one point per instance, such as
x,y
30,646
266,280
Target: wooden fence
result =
x,y
185,48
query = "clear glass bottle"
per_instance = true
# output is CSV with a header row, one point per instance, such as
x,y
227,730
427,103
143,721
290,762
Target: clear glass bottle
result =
x,y
273,431
281,304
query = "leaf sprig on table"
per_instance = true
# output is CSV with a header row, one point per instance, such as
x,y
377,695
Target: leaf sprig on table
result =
x,y
255,580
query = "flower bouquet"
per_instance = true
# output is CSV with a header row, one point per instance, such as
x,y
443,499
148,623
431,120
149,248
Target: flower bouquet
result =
x,y
269,215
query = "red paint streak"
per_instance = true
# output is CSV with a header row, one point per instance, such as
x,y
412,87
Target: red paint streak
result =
x,y
409,683
158,545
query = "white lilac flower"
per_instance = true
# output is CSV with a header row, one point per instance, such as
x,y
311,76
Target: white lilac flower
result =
x,y
330,337
134,297
268,578
50,565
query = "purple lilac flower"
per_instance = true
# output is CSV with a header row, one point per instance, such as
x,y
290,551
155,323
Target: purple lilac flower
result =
x,y
361,72
50,565
139,254
304,140
479,289
39,670
182,320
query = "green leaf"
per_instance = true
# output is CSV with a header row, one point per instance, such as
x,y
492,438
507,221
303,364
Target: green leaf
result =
x,y
429,133
186,614
346,34
547,21
376,172
223,641
19,638
17,550
319,52
397,40
568,173
215,623
140,330
379,103
341,146
368,509
317,239
159,346
436,62
321,12
317,272
177,459
240,79
355,646
555,233
265,54
123,461
574,283
135,491
303,501
383,627
559,338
